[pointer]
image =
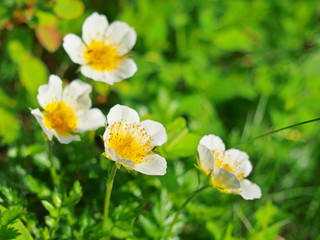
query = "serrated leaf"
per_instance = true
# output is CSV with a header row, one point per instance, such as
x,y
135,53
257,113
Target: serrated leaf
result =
x,y
149,227
7,233
74,195
10,215
37,187
24,233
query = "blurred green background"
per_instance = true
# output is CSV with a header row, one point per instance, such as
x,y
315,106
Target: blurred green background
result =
x,y
236,69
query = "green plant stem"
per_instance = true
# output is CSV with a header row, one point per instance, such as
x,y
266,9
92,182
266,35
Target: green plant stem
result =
x,y
190,198
54,175
56,225
279,130
109,185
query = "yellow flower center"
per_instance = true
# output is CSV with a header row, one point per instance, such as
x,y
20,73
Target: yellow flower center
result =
x,y
129,141
60,117
101,56
221,162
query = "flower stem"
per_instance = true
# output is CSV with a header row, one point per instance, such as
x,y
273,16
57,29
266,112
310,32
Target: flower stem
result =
x,y
190,198
278,130
109,185
54,175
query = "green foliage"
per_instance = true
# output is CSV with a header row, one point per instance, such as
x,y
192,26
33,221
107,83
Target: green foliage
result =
x,y
68,9
236,69
7,233
10,226
9,216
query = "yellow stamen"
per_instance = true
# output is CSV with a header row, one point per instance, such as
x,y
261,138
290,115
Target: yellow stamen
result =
x,y
222,162
129,141
60,117
101,56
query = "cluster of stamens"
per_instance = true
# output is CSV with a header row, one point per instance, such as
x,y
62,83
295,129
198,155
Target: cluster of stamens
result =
x,y
129,141
101,56
223,162
60,117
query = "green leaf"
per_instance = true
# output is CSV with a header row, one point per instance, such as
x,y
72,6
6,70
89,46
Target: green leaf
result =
x,y
46,18
185,146
234,39
32,70
7,233
9,127
265,215
68,9
17,51
35,186
175,131
7,101
74,195
57,201
24,233
33,73
49,37
149,227
214,229
10,215
50,208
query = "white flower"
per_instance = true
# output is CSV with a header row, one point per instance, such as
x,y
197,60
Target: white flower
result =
x,y
228,169
130,142
102,52
66,111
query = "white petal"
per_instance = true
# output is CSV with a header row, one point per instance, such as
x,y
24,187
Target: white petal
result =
x,y
206,158
76,94
241,159
121,34
39,116
50,92
156,130
67,139
114,156
94,28
120,112
213,143
224,179
249,190
91,120
106,137
155,165
51,132
111,77
126,68
73,45
89,72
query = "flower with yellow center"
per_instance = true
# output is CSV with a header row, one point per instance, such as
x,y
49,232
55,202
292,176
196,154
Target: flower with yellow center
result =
x,y
66,111
102,53
227,169
130,142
